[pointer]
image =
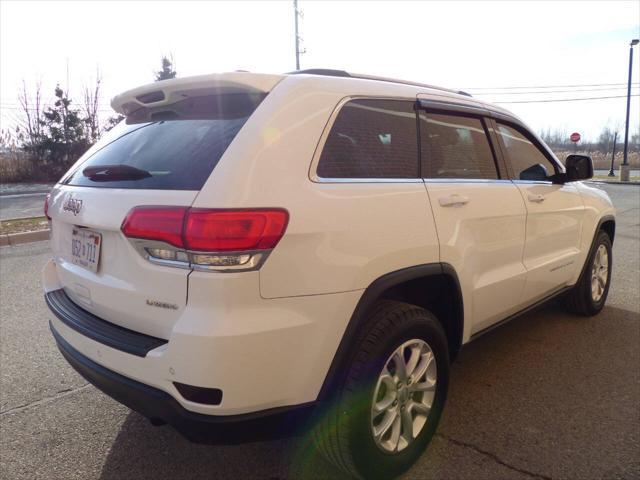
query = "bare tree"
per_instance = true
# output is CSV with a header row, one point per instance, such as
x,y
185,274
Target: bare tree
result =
x,y
31,115
556,138
91,108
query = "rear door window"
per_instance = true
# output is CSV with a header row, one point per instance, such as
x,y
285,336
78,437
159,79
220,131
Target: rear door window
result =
x,y
372,139
175,147
455,146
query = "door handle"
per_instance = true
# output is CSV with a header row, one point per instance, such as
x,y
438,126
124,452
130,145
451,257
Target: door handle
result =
x,y
453,200
536,198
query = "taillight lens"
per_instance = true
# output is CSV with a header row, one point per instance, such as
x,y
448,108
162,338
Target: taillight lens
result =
x,y
240,233
46,206
234,230
164,224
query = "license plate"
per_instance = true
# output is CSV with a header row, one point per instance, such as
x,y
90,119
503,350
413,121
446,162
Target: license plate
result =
x,y
85,248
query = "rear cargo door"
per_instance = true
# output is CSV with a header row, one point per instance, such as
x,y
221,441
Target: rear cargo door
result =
x,y
158,156
125,288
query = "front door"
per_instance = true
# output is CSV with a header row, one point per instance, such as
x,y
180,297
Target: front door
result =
x,y
554,214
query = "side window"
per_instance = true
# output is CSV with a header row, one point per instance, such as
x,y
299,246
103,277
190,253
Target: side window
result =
x,y
372,139
526,159
455,147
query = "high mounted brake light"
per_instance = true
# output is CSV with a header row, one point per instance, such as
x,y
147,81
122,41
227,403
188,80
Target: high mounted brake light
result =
x,y
208,238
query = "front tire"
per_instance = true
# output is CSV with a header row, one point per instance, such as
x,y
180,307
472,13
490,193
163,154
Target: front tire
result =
x,y
388,407
590,293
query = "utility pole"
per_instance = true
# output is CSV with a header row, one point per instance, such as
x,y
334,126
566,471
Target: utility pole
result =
x,y
299,51
624,168
296,13
613,155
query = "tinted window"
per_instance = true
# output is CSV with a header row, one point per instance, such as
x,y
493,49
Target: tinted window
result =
x,y
372,139
455,147
527,161
174,147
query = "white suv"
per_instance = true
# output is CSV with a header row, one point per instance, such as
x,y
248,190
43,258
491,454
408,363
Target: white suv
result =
x,y
254,254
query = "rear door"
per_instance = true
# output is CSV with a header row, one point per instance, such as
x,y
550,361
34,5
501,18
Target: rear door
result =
x,y
480,215
554,213
157,156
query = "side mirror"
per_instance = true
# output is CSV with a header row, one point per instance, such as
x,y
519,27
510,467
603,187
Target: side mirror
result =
x,y
579,167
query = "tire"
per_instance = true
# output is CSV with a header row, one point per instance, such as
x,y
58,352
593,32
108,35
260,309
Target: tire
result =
x,y
344,432
583,299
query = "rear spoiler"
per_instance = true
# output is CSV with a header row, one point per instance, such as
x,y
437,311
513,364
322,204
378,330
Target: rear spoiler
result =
x,y
167,92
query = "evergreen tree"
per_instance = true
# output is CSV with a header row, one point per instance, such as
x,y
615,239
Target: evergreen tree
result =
x,y
113,121
167,70
63,128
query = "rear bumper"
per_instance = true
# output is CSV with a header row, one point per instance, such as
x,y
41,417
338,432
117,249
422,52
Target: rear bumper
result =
x,y
156,404
257,355
95,328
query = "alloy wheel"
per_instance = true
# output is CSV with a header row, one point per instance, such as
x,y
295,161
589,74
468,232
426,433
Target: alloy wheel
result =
x,y
403,396
599,273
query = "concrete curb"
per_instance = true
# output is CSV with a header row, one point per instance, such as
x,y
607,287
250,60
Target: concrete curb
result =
x,y
24,237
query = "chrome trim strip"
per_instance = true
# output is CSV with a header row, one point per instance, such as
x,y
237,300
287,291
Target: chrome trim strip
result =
x,y
534,182
256,260
467,180
366,180
168,263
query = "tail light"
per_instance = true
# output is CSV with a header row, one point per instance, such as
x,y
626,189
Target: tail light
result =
x,y
210,239
164,224
46,206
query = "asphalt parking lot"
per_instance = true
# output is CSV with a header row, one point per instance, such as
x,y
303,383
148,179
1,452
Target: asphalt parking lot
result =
x,y
549,395
19,201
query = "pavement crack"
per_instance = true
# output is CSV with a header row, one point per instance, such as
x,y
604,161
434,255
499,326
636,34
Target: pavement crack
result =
x,y
494,457
42,401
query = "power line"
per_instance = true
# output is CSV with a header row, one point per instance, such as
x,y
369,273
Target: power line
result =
x,y
550,86
46,104
20,108
16,107
533,92
568,99
609,86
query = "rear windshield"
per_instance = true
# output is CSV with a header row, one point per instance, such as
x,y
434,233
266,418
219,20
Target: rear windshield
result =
x,y
175,147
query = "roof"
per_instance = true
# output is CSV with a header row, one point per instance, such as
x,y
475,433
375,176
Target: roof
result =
x,y
343,73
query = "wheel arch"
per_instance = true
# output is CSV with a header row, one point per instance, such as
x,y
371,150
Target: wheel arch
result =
x,y
608,224
434,286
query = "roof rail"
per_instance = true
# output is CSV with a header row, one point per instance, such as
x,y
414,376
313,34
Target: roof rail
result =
x,y
342,73
327,72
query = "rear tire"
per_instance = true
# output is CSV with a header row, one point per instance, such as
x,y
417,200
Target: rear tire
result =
x,y
589,295
409,396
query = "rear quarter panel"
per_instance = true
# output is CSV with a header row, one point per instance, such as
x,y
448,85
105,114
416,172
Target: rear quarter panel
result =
x,y
341,236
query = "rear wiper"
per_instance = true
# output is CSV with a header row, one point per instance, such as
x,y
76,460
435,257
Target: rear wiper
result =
x,y
114,173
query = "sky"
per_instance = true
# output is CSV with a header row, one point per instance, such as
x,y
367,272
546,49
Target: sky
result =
x,y
498,51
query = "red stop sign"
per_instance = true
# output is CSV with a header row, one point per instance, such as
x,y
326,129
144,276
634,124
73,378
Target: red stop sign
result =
x,y
575,137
